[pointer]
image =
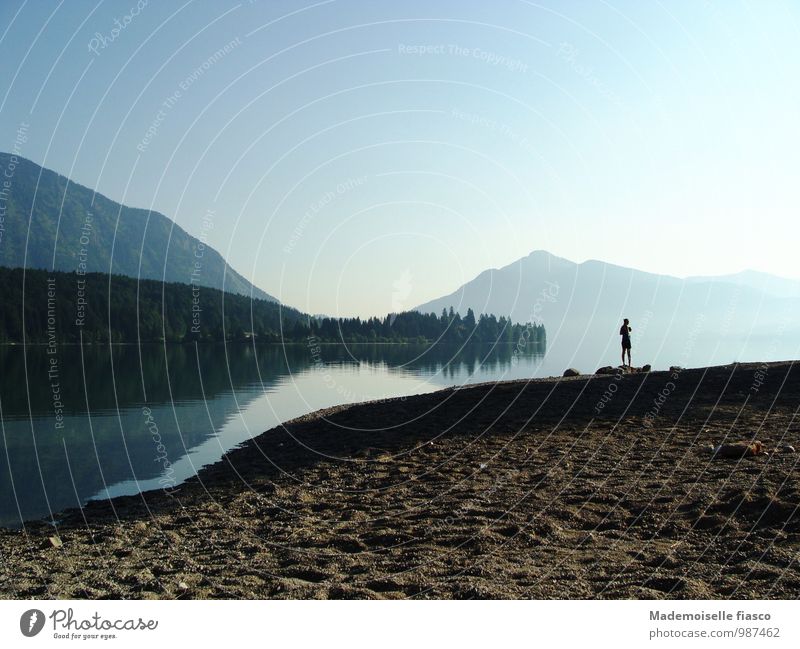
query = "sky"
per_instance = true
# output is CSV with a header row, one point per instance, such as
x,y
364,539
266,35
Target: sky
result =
x,y
361,157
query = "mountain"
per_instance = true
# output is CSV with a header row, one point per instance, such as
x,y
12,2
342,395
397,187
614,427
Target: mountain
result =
x,y
90,232
51,306
675,321
769,284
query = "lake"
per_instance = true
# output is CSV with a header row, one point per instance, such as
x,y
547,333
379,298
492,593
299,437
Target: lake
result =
x,y
101,422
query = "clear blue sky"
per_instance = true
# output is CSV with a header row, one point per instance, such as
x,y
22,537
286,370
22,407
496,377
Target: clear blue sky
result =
x,y
349,173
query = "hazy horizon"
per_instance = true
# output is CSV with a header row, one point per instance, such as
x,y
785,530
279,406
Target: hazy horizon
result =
x,y
400,286
360,158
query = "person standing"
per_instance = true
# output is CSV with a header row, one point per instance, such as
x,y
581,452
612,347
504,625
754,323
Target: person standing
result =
x,y
625,332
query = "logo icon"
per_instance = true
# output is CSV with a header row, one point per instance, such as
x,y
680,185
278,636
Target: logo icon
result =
x,y
31,622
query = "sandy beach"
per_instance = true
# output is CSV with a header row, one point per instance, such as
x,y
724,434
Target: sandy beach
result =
x,y
599,486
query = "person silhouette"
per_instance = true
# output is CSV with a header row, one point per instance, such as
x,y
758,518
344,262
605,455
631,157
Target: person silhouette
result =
x,y
625,332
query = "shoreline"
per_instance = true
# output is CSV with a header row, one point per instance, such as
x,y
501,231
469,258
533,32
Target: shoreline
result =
x,y
513,489
249,341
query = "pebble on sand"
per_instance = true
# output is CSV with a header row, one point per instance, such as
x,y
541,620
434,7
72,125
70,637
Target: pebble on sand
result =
x,y
739,450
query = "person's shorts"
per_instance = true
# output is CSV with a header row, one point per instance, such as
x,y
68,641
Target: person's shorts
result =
x,y
626,344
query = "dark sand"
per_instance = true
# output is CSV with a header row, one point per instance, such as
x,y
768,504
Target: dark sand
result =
x,y
513,490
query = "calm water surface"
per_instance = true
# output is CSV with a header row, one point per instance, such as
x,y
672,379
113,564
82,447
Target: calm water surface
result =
x,y
98,422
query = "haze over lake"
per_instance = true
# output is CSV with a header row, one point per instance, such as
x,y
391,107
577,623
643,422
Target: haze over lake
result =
x,y
149,417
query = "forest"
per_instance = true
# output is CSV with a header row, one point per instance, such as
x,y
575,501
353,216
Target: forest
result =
x,y
53,307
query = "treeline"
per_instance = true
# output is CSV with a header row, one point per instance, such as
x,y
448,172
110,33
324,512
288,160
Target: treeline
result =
x,y
96,307
411,326
59,307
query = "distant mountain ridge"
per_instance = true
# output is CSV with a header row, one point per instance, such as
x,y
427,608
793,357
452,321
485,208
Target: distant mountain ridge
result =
x,y
770,284
583,304
74,228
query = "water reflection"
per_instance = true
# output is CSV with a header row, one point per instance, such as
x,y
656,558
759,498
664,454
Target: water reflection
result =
x,y
112,422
